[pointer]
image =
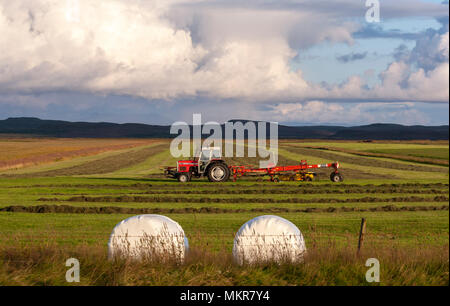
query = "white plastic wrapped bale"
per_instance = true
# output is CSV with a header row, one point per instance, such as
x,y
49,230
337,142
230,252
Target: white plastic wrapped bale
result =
x,y
149,237
268,239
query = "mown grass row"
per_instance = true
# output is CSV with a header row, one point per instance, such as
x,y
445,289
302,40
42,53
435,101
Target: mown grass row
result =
x,y
231,207
215,210
265,191
141,199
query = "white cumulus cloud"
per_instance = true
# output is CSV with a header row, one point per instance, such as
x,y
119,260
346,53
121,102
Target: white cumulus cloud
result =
x,y
218,49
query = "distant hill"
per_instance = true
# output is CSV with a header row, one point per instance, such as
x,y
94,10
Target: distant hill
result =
x,y
57,128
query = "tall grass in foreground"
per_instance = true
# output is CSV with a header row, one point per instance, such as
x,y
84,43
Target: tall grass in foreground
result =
x,y
324,265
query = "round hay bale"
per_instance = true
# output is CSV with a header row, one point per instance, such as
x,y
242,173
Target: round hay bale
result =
x,y
268,239
148,237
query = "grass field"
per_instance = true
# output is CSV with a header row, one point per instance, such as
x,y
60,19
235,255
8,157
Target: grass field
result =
x,y
52,209
439,153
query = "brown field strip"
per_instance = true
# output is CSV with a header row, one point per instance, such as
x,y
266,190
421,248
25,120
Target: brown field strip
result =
x,y
141,199
364,161
20,154
101,166
216,210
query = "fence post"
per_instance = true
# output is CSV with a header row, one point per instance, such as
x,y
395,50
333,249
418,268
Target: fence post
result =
x,y
362,232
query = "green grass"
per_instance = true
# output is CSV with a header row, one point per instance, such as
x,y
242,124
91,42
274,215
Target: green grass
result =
x,y
413,154
33,252
28,192
216,230
387,172
150,166
440,153
325,265
365,146
412,244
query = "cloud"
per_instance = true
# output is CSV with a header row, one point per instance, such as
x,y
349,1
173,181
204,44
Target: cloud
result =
x,y
376,31
122,109
347,8
351,57
320,112
422,72
401,53
219,50
151,50
431,50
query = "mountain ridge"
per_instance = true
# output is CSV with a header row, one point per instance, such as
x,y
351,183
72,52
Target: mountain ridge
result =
x,y
58,128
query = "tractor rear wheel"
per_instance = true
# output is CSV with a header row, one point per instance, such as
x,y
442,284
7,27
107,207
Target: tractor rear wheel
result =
x,y
218,172
336,177
184,177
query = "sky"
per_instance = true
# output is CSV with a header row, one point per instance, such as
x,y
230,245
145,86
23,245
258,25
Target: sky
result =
x,y
296,62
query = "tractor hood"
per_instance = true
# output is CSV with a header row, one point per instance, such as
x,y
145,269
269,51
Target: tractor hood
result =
x,y
186,162
185,165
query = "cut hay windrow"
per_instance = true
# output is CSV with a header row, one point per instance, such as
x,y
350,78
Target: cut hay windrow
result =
x,y
279,191
141,199
216,210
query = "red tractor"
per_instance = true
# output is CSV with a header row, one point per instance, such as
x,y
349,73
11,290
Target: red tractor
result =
x,y
208,163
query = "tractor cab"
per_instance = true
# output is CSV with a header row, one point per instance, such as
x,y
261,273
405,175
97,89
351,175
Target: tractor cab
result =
x,y
209,153
206,155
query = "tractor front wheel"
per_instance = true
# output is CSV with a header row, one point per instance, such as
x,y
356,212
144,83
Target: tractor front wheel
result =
x,y
184,177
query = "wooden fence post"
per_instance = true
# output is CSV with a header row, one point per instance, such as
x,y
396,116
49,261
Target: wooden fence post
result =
x,y
362,232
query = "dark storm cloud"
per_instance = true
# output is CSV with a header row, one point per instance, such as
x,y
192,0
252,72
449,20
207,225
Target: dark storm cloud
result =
x,y
351,57
376,31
